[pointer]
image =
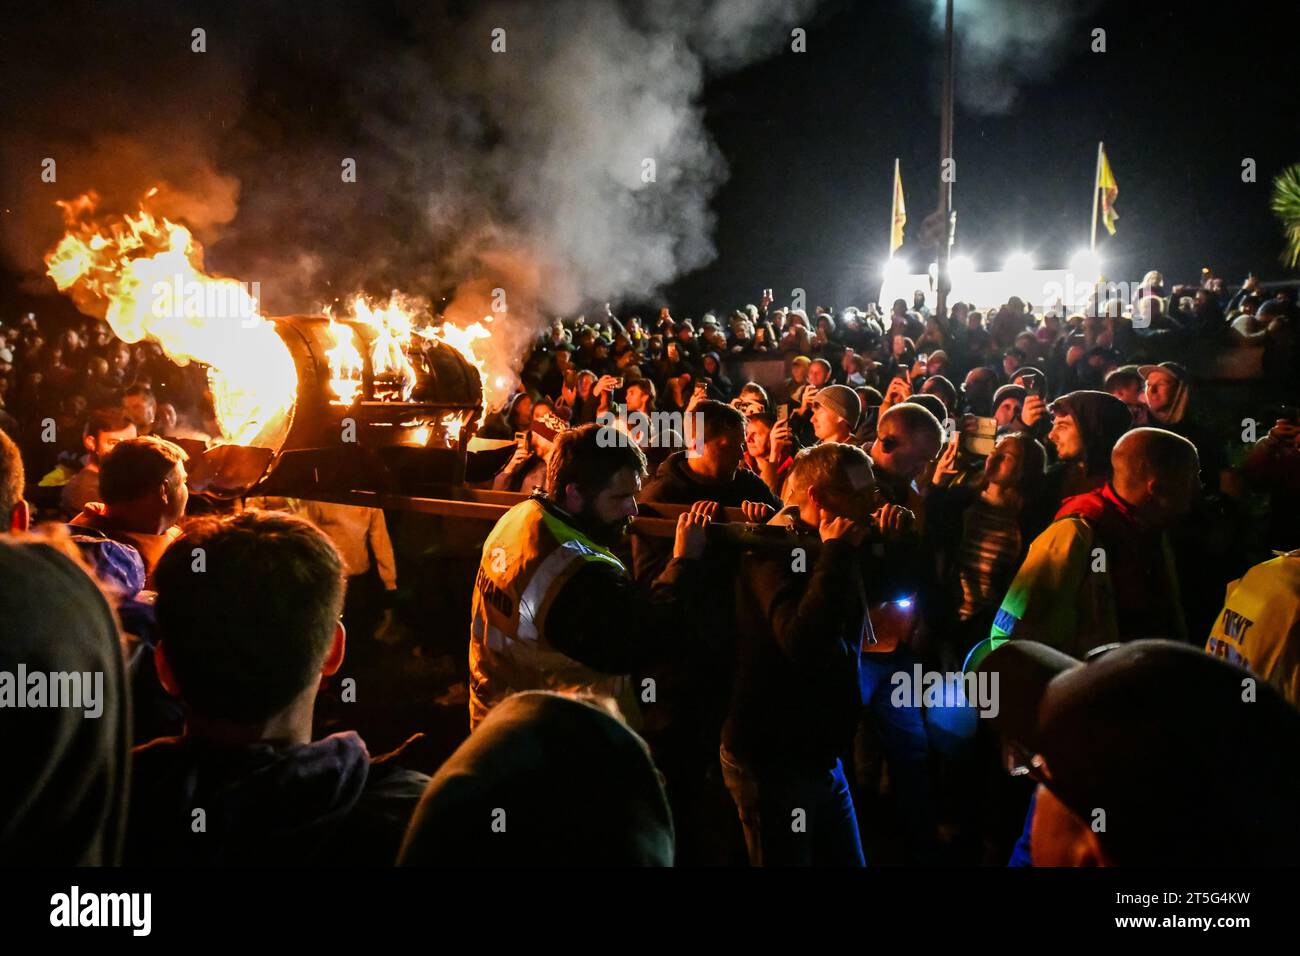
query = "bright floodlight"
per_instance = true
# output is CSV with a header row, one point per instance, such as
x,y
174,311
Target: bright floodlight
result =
x,y
1086,265
961,265
1019,263
896,268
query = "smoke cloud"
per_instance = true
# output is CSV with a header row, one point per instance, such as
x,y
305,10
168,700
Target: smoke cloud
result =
x,y
571,167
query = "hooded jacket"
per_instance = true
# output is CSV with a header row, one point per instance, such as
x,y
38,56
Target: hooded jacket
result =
x,y
1101,419
545,780
63,792
325,803
1074,597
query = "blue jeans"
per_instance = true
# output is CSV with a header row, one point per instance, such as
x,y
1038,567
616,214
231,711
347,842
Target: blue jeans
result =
x,y
907,747
794,817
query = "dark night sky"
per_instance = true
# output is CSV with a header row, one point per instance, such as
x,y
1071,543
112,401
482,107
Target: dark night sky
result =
x,y
1181,96
1185,91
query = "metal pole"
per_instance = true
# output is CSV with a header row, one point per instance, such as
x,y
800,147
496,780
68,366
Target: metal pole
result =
x,y
945,183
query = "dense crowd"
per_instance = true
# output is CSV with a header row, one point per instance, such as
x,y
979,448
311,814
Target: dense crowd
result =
x,y
888,529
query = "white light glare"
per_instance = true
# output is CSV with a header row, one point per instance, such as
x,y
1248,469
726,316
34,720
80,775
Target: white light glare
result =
x,y
1086,265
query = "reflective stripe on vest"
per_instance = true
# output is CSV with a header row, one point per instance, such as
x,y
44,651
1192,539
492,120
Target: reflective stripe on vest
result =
x,y
527,559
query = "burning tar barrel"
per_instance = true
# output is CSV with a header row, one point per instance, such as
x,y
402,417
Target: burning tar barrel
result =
x,y
371,412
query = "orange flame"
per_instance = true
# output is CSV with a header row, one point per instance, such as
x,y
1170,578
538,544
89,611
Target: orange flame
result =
x,y
345,365
144,275
462,340
396,322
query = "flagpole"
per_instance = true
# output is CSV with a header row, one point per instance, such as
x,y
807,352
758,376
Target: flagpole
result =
x,y
945,181
1096,188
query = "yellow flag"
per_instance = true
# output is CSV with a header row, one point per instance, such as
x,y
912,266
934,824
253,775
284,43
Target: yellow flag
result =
x,y
900,212
1109,190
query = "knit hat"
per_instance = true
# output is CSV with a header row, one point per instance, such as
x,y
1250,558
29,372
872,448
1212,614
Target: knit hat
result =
x,y
841,400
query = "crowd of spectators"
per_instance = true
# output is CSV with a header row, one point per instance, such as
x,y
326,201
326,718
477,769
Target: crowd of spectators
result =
x,y
1011,492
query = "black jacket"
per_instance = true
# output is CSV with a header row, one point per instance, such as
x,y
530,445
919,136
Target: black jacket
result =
x,y
797,692
674,483
325,803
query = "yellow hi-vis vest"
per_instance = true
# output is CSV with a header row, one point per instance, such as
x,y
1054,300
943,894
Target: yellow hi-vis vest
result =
x,y
1259,626
527,559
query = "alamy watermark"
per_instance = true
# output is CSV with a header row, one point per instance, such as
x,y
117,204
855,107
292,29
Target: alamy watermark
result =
x,y
183,297
916,688
129,910
1103,297
54,689
653,430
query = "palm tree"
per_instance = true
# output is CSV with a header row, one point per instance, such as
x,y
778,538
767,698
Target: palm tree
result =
x,y
1286,205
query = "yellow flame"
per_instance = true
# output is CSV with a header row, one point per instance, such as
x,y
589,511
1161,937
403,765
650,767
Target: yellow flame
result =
x,y
345,365
392,323
462,340
144,276
400,318
452,423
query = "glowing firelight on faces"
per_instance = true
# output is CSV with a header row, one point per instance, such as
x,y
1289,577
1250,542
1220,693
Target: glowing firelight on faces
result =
x,y
144,275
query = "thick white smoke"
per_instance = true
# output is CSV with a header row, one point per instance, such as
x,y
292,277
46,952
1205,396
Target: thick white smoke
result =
x,y
573,166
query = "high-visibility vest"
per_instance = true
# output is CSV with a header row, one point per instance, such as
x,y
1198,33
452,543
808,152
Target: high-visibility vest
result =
x,y
527,559
1259,626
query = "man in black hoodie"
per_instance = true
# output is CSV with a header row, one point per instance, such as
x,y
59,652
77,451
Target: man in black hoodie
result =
x,y
683,725
1085,427
796,697
248,611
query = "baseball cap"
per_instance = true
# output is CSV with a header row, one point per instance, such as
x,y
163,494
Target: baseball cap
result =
x,y
840,399
1009,391
1173,368
548,426
1187,755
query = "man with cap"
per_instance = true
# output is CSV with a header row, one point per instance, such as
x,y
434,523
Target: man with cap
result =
x,y
1207,546
1007,403
1151,753
1103,571
835,413
525,472
1168,395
